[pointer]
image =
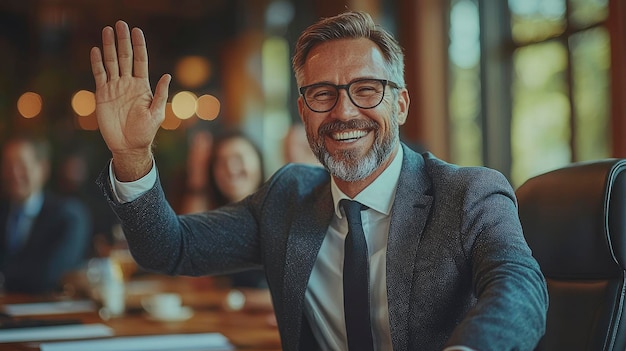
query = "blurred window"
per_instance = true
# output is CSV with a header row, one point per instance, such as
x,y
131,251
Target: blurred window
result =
x,y
554,56
464,100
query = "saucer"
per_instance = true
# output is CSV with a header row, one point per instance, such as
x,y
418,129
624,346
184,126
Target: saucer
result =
x,y
183,314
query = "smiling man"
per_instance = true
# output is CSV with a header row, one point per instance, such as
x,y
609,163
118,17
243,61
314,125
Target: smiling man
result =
x,y
352,128
381,249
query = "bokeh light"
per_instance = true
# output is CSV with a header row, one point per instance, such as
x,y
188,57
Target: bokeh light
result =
x,y
88,122
208,107
29,104
192,71
184,104
170,122
84,103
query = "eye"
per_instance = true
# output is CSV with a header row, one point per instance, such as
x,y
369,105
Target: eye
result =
x,y
365,88
322,93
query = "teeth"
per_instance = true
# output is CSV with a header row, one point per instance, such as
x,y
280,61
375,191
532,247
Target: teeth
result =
x,y
354,134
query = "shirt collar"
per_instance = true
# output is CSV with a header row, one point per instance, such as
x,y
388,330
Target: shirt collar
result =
x,y
380,194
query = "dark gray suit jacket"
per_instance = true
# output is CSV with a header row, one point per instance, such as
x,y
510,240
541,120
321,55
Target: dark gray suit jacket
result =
x,y
458,269
58,243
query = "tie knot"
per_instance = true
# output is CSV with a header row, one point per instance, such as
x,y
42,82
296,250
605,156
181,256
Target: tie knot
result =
x,y
352,209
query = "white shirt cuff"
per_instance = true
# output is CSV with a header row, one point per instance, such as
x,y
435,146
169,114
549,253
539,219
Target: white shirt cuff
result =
x,y
129,191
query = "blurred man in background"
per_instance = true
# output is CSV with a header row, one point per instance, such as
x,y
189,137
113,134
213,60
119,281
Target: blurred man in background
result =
x,y
42,236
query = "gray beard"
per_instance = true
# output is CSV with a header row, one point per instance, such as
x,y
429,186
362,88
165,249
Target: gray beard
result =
x,y
347,166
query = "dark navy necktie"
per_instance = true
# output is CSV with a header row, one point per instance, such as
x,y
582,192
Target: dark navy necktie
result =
x,y
356,297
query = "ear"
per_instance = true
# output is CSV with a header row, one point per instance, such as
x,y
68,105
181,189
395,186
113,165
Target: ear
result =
x,y
403,105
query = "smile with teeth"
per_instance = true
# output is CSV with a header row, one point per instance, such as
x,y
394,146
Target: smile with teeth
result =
x,y
348,135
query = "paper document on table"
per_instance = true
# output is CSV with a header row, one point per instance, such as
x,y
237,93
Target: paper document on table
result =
x,y
172,342
44,308
60,332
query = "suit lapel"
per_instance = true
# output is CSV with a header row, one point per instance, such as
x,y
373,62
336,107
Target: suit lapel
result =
x,y
409,214
306,235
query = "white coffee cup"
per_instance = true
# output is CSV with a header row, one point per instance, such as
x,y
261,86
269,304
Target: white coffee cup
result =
x,y
162,305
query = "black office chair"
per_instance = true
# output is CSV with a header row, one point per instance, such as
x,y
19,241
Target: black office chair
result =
x,y
574,219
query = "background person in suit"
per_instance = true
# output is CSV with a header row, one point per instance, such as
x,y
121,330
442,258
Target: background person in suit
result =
x,y
42,236
448,264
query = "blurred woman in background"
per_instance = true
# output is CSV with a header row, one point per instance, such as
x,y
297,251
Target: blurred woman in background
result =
x,y
236,171
235,168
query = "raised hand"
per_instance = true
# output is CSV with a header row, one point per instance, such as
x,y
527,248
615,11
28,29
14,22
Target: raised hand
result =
x,y
129,115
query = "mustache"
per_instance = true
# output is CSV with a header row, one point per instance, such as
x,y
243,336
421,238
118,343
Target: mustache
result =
x,y
338,126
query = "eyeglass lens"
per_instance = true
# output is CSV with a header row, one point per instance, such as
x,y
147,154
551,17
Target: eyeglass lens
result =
x,y
366,93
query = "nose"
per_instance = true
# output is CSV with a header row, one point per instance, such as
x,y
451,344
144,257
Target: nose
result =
x,y
344,109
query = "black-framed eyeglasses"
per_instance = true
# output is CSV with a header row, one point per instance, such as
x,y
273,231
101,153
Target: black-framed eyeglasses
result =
x,y
364,93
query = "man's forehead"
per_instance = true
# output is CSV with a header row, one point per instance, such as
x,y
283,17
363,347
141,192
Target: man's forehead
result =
x,y
357,57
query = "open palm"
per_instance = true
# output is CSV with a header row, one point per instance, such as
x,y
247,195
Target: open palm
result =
x,y
129,115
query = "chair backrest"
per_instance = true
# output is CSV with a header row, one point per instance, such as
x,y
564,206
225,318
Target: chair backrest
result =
x,y
574,219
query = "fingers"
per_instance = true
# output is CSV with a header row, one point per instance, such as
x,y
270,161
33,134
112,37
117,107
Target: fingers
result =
x,y
141,53
97,67
124,49
109,52
118,60
129,58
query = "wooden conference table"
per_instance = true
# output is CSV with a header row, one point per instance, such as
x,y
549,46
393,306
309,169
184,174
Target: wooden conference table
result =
x,y
251,329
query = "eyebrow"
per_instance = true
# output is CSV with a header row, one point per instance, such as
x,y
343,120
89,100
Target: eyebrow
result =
x,y
353,80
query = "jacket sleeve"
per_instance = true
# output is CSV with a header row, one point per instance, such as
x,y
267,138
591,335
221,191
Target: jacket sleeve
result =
x,y
512,299
216,242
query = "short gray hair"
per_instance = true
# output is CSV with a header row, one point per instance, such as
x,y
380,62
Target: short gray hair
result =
x,y
350,25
